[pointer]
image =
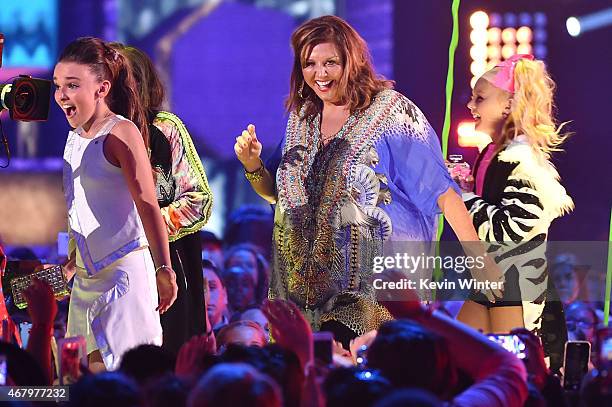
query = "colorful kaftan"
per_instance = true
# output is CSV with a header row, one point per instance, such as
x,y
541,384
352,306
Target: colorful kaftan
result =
x,y
376,182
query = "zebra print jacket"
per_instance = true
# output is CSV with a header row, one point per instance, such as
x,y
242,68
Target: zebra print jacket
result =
x,y
522,195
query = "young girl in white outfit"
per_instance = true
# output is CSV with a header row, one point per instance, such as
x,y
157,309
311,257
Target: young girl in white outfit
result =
x,y
120,285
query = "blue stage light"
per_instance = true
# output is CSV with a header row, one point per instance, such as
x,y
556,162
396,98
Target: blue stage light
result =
x,y
510,20
540,51
579,25
525,19
495,20
540,19
540,35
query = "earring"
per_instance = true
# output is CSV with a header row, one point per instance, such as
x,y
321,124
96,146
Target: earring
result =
x,y
506,112
300,90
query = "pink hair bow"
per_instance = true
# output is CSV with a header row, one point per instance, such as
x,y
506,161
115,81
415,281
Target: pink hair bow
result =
x,y
504,78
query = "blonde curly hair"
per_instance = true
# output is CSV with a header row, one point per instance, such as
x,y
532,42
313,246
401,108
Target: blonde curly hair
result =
x,y
532,112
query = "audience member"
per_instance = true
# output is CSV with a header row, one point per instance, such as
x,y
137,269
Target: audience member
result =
x,y
216,296
581,321
355,387
256,315
277,362
249,258
499,376
21,367
235,384
563,272
538,374
409,397
191,359
103,390
146,363
240,287
212,248
165,391
250,224
247,333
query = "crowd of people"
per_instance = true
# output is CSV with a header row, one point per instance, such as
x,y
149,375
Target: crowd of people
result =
x,y
169,315
422,357
261,351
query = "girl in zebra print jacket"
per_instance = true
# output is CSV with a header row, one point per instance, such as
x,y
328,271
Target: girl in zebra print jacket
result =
x,y
517,193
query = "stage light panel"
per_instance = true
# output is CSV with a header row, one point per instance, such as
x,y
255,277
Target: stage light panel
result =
x,y
524,49
494,35
524,35
478,52
508,51
493,52
509,35
479,37
479,20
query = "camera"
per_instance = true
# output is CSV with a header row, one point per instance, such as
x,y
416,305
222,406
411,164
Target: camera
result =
x,y
26,98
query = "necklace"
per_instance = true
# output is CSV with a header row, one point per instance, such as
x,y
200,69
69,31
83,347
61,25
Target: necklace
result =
x,y
327,138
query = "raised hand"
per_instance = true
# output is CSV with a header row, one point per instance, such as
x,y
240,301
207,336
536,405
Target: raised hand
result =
x,y
248,149
166,288
42,306
400,303
364,340
290,329
534,361
190,359
69,268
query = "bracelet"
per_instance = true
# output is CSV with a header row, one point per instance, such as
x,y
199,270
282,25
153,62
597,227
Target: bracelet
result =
x,y
163,266
257,175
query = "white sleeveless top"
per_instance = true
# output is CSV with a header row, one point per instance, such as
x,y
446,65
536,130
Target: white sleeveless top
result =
x,y
103,218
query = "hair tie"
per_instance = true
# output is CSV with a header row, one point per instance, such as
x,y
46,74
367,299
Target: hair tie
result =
x,y
504,78
111,53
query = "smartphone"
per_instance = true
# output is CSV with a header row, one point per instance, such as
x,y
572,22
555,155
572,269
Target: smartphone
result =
x,y
3,370
24,332
72,352
512,343
323,342
575,363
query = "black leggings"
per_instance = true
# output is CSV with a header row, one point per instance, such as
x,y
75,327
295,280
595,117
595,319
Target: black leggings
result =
x,y
187,316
